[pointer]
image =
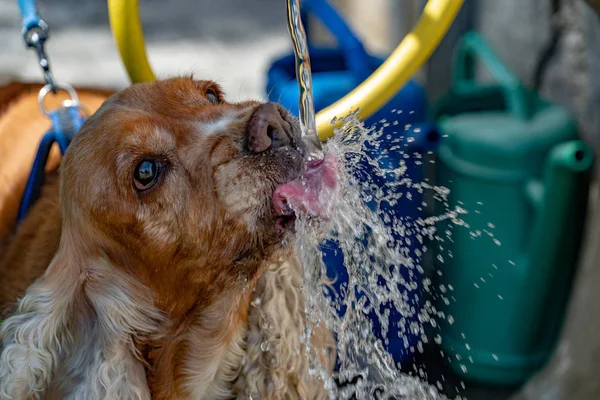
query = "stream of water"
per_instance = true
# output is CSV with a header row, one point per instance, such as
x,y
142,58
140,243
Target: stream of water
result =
x,y
303,74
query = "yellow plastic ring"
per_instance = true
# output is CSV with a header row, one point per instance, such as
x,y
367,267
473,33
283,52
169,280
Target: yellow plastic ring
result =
x,y
368,97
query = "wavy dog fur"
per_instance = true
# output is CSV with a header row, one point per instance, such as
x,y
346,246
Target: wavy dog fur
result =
x,y
276,351
170,292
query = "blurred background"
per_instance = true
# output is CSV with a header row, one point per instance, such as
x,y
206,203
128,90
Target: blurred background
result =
x,y
234,41
231,42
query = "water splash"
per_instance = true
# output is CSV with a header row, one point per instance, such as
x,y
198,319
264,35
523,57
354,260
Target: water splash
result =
x,y
382,255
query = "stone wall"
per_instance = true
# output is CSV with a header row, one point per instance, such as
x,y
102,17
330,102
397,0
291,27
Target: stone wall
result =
x,y
519,30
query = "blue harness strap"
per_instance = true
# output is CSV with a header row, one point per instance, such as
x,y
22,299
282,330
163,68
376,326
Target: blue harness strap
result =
x,y
66,121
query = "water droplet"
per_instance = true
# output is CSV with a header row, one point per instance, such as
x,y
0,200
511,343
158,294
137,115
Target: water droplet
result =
x,y
264,346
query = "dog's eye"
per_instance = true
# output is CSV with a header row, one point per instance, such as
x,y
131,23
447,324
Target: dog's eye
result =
x,y
146,174
212,96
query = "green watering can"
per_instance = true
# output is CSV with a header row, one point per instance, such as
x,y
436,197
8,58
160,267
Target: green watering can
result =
x,y
514,163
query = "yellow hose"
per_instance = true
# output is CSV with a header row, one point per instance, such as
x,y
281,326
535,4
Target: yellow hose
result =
x,y
368,97
125,23
392,75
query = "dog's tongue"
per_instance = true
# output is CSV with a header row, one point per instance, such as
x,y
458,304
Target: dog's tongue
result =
x,y
315,193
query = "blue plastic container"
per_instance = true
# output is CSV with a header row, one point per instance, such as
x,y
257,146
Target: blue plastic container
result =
x,y
336,72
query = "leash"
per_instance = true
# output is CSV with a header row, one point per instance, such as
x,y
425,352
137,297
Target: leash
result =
x,y
35,33
66,120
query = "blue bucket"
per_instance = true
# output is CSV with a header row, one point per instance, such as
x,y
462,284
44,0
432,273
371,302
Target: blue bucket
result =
x,y
336,72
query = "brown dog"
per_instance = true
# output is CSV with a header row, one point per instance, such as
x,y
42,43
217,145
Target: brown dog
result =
x,y
163,273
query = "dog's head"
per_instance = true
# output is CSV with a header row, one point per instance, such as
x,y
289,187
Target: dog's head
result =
x,y
183,186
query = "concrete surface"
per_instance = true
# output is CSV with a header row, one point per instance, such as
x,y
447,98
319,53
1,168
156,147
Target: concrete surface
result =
x,y
231,41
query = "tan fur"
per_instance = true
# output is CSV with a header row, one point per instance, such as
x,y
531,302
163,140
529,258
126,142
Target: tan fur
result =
x,y
276,350
166,294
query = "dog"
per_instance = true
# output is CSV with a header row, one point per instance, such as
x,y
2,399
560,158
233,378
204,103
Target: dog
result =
x,y
157,262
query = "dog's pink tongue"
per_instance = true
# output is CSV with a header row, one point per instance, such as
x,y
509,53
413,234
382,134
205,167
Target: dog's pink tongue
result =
x,y
316,193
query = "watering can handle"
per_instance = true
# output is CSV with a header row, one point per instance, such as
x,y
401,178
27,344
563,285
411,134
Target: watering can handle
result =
x,y
473,47
355,54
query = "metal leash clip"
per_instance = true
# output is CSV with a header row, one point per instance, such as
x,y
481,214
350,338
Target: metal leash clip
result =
x,y
35,36
35,32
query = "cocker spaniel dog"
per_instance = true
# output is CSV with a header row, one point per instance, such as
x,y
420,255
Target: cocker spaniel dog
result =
x,y
155,265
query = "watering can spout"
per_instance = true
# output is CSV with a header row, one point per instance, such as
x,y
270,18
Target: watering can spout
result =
x,y
565,171
552,196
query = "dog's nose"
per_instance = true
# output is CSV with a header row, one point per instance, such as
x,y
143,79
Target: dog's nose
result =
x,y
268,128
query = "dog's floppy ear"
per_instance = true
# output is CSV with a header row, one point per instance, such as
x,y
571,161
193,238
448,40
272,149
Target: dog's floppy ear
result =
x,y
85,317
35,338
